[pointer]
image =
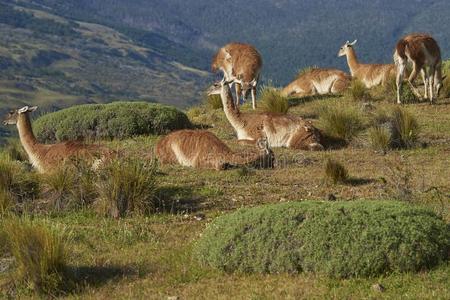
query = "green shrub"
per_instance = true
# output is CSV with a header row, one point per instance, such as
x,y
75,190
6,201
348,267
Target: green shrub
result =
x,y
272,100
335,172
407,95
15,151
379,138
405,129
340,239
341,122
126,188
39,252
114,120
357,91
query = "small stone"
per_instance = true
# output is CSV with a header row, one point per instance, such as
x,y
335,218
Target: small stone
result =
x,y
378,287
199,217
173,298
331,197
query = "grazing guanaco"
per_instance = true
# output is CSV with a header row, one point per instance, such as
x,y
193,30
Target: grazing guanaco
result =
x,y
424,53
369,74
202,149
280,130
240,63
318,82
47,158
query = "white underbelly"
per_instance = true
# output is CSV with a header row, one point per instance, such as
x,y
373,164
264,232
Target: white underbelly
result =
x,y
278,139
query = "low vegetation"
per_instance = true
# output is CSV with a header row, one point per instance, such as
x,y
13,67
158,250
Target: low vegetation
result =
x,y
358,92
335,172
213,102
340,122
39,252
107,121
340,239
272,100
379,138
127,188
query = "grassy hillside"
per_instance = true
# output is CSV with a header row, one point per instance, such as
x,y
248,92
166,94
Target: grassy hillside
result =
x,y
151,256
290,34
54,62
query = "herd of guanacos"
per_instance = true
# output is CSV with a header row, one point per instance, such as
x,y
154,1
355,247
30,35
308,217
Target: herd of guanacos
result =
x,y
241,65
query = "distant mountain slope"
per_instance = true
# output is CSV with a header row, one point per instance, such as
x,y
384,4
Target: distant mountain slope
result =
x,y
52,61
291,34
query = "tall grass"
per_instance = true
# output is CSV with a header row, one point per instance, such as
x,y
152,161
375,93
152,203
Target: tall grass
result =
x,y
357,91
406,94
16,183
272,100
213,102
39,251
127,188
379,138
405,129
335,172
340,122
71,186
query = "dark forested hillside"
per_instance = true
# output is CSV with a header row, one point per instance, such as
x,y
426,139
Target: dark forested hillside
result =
x,y
291,34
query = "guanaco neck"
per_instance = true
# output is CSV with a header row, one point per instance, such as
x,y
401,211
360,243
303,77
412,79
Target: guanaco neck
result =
x,y
352,60
27,138
231,112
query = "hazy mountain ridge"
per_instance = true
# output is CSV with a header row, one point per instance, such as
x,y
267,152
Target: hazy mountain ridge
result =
x,y
54,62
290,34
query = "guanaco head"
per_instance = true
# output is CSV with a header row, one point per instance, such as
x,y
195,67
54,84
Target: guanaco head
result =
x,y
346,47
313,138
13,116
216,87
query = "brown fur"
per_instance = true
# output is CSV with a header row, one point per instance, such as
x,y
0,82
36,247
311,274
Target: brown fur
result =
x,y
318,82
423,52
202,149
369,74
241,62
47,158
280,130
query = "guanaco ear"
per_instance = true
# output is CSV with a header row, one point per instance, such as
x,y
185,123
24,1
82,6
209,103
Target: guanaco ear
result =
x,y
23,110
352,43
33,108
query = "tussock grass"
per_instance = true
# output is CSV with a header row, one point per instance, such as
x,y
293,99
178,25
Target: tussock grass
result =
x,y
358,92
127,188
15,151
272,100
339,239
407,95
40,253
213,102
405,129
340,122
16,183
335,172
71,186
379,138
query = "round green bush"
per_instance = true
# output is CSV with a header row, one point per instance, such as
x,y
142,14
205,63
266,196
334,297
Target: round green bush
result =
x,y
114,120
340,239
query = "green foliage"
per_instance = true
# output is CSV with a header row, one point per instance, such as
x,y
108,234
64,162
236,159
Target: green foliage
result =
x,y
379,138
272,100
39,252
340,239
114,120
127,187
335,172
405,128
214,102
406,94
358,91
340,122
14,150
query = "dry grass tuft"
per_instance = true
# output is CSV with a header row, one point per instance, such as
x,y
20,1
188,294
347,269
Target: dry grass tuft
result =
x,y
39,252
379,138
357,91
405,129
335,172
341,122
272,100
127,188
